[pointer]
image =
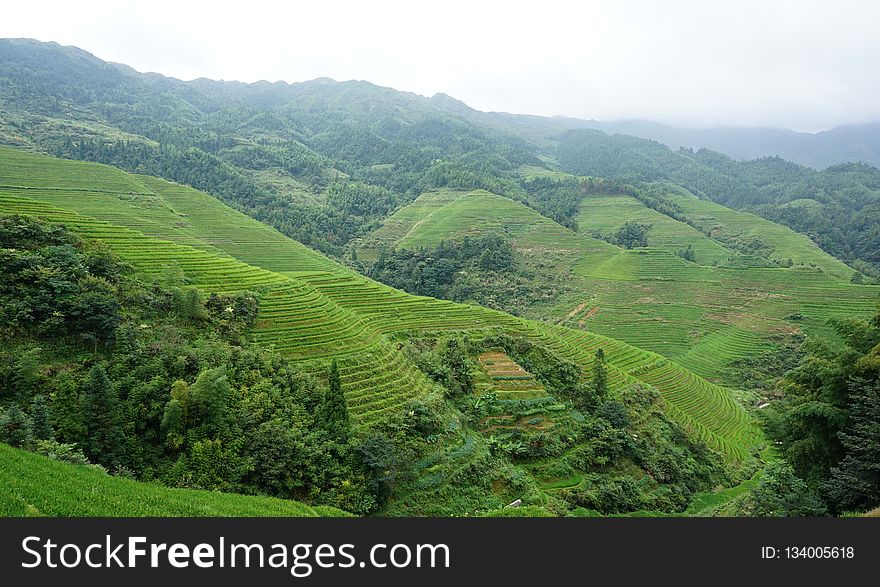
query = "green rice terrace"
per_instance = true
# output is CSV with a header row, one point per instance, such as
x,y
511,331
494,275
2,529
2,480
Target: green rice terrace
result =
x,y
313,309
702,314
34,485
503,376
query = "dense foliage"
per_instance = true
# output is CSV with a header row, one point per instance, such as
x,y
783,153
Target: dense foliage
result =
x,y
157,383
578,433
154,381
827,422
481,269
320,161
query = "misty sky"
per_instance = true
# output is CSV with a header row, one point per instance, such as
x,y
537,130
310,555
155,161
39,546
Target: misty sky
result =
x,y
804,64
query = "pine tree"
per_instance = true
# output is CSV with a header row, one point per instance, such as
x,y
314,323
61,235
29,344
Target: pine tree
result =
x,y
855,483
26,372
41,428
600,375
332,414
66,411
15,427
104,435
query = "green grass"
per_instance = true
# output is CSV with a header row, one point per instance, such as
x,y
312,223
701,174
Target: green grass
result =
x,y
787,244
699,314
530,172
33,485
451,215
313,309
605,214
702,316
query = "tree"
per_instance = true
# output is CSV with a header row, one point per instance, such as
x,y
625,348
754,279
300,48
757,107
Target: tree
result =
x,y
15,427
105,440
332,413
615,413
688,254
781,493
600,374
632,234
41,427
26,372
378,456
207,398
855,483
455,357
66,411
216,467
95,311
281,462
172,424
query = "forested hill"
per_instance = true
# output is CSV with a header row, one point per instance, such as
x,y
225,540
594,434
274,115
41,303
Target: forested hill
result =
x,y
319,160
843,144
838,207
326,162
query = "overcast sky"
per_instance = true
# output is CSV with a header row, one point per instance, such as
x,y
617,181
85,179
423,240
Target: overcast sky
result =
x,y
804,64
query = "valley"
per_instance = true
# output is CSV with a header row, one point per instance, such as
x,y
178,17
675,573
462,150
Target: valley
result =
x,y
335,298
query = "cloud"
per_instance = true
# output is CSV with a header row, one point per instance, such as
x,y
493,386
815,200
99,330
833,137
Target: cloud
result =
x,y
807,65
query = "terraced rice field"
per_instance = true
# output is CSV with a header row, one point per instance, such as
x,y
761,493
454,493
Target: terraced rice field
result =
x,y
702,315
313,309
449,215
506,378
605,214
33,485
514,386
786,242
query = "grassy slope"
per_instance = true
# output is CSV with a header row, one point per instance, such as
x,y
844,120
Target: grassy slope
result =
x,y
33,485
698,314
312,308
737,311
605,214
786,242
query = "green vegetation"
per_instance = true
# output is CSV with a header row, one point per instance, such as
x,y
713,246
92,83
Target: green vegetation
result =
x,y
826,423
844,223
354,321
166,386
34,485
722,307
588,335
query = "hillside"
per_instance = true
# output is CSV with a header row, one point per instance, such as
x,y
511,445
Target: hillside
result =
x,y
313,310
837,207
843,144
33,485
325,162
706,314
342,294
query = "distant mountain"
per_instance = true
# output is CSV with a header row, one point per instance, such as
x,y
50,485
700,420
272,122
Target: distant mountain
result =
x,y
844,144
324,161
838,207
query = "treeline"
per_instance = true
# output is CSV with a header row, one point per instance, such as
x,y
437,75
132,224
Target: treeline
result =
x,y
433,272
342,142
345,209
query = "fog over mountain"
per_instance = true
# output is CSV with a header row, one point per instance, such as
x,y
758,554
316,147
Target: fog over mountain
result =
x,y
842,144
803,65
